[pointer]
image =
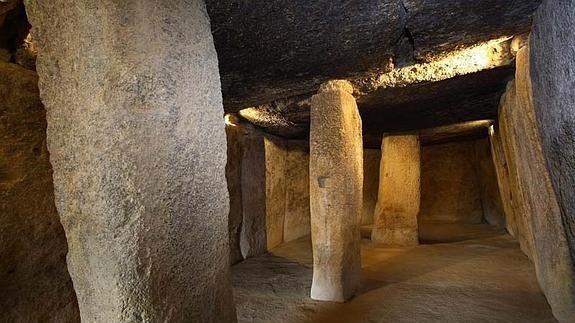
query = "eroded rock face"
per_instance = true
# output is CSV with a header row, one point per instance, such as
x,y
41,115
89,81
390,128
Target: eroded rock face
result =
x,y
297,212
295,46
553,256
336,180
395,217
34,279
234,132
139,153
553,76
276,181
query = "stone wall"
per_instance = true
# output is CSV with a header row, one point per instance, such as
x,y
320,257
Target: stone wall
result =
x,y
276,181
490,196
510,140
297,213
536,204
553,78
450,185
371,161
34,281
274,185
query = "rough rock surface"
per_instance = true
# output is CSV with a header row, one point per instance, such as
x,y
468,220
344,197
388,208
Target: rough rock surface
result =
x,y
510,139
253,235
34,281
450,186
503,180
553,77
490,195
336,180
551,253
275,186
371,162
138,149
297,210
399,194
234,132
295,46
437,26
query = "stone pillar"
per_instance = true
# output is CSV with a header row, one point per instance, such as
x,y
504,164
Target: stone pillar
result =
x,y
136,138
336,179
395,217
253,237
234,132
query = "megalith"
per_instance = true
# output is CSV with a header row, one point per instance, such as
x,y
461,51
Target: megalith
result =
x,y
552,53
398,203
137,142
336,180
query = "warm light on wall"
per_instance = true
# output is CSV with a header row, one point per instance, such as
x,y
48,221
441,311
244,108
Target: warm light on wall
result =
x,y
469,60
491,130
231,120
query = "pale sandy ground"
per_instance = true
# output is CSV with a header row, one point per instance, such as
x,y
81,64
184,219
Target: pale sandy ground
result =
x,y
462,274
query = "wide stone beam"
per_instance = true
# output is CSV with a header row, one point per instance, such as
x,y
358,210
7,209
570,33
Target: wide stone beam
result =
x,y
137,142
395,217
336,180
297,45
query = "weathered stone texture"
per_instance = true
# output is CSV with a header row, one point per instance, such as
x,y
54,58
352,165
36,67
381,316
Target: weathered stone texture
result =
x,y
552,253
399,194
490,196
34,281
138,149
253,238
371,162
297,211
510,139
275,185
336,180
553,77
503,180
450,190
233,178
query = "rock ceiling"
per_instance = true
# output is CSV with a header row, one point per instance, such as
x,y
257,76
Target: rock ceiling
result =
x,y
273,56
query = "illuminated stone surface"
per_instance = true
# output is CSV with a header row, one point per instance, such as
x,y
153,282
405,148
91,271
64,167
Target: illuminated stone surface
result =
x,y
397,208
336,180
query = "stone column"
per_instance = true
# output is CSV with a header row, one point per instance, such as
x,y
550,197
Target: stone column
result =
x,y
395,217
136,138
336,179
253,237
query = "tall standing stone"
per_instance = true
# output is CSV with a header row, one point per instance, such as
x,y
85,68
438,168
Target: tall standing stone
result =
x,y
553,76
137,142
336,179
395,217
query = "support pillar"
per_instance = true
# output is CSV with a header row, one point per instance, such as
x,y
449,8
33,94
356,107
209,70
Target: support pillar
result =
x,y
137,143
395,217
336,179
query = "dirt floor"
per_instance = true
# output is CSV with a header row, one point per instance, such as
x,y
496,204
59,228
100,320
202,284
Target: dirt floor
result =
x,y
468,273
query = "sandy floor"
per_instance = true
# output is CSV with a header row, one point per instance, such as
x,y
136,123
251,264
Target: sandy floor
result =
x,y
478,275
